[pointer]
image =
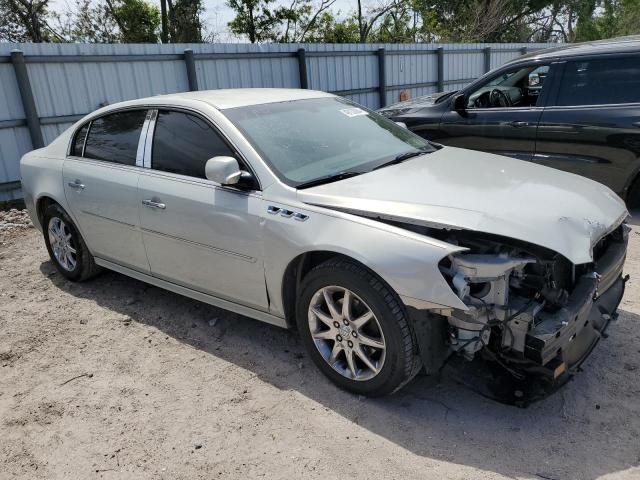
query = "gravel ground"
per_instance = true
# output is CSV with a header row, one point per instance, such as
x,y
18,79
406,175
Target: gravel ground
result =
x,y
115,379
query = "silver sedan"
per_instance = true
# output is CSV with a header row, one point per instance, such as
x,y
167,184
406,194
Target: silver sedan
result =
x,y
390,255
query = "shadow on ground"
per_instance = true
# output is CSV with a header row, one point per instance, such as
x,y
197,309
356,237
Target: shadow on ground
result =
x,y
440,421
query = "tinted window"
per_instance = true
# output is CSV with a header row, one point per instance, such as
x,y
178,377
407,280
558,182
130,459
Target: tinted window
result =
x,y
600,82
183,143
78,142
115,137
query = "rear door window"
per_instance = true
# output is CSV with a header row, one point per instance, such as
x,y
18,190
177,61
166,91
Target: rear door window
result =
x,y
78,141
114,138
182,143
600,82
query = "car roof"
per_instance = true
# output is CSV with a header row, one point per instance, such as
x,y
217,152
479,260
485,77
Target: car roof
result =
x,y
613,45
236,97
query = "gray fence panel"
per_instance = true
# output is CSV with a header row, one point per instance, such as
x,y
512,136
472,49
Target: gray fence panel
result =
x,y
71,80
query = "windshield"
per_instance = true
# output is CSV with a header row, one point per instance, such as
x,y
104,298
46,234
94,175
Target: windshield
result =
x,y
307,140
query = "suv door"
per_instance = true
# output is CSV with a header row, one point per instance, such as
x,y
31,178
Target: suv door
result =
x,y
198,233
592,126
100,177
501,114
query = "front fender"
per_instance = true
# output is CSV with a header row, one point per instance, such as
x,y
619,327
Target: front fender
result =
x,y
407,261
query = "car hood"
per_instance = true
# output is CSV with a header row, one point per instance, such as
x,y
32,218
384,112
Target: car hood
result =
x,y
414,103
462,189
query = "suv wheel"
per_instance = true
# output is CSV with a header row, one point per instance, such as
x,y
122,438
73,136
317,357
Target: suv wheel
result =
x,y
355,329
66,246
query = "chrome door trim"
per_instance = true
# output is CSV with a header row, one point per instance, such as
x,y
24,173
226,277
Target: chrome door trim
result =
x,y
217,250
148,143
196,295
141,140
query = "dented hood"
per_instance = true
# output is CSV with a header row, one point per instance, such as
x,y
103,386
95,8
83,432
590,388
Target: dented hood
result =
x,y
463,189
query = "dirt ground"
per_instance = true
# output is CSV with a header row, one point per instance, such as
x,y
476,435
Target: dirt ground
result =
x,y
115,379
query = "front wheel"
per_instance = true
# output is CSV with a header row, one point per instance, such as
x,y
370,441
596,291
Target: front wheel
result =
x,y
355,329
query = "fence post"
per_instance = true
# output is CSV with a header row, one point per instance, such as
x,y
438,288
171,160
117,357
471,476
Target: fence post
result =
x,y
523,51
28,102
487,59
190,63
382,79
302,68
440,53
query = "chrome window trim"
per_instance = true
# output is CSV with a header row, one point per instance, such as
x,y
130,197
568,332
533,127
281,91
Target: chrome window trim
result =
x,y
148,139
142,140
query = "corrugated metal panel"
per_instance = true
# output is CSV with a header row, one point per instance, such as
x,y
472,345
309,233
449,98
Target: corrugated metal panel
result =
x,y
77,88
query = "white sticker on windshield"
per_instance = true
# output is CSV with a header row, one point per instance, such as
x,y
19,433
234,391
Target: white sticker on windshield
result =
x,y
353,112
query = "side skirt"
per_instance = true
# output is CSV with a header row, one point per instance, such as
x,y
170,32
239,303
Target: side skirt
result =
x,y
202,297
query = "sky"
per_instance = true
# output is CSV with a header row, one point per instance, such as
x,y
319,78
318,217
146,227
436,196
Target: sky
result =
x,y
217,14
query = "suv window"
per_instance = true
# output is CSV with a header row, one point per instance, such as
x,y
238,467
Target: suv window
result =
x,y
601,82
516,88
115,137
182,143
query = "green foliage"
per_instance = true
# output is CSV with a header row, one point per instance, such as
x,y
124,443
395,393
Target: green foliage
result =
x,y
137,20
186,26
24,21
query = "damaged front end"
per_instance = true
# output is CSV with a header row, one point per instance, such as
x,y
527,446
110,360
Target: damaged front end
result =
x,y
532,315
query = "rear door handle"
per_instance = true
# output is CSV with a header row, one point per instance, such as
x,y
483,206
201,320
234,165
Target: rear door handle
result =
x,y
519,124
76,185
153,204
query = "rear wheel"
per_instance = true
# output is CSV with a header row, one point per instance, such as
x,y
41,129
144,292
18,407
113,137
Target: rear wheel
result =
x,y
66,246
355,329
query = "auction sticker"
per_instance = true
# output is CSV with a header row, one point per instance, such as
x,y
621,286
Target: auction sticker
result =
x,y
353,112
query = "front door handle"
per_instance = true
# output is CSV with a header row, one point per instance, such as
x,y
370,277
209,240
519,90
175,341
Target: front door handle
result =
x,y
153,204
519,124
77,185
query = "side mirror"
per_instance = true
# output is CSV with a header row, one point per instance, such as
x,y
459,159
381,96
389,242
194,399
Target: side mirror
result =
x,y
459,103
224,170
402,124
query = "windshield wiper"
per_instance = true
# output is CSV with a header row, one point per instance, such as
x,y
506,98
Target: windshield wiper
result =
x,y
402,157
328,179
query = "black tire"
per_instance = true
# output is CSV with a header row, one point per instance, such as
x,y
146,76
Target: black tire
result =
x,y
85,266
402,361
633,196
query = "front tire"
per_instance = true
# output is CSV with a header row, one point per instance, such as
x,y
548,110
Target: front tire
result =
x,y
66,246
355,329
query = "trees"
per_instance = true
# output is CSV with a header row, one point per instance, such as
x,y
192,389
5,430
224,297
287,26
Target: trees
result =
x,y
24,20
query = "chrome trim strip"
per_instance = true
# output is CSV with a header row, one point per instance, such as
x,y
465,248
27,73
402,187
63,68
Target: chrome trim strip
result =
x,y
109,219
220,251
196,295
148,145
142,140
84,144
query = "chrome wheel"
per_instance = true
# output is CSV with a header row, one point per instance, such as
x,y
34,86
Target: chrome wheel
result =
x,y
61,243
346,333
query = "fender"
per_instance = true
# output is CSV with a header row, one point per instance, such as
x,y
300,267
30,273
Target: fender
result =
x,y
407,261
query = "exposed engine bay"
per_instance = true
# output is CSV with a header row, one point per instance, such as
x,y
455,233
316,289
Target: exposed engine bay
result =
x,y
530,310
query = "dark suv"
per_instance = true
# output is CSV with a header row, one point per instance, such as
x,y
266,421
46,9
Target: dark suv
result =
x,y
576,108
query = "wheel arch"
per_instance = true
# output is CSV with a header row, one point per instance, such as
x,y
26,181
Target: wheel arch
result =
x,y
298,268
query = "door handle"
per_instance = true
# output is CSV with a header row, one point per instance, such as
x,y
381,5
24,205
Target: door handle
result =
x,y
77,185
519,124
152,204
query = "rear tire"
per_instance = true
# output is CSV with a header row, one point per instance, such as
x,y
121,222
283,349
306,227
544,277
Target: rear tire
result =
x,y
66,246
373,330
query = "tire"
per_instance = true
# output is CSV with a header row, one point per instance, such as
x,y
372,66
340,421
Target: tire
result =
x,y
79,264
395,364
633,197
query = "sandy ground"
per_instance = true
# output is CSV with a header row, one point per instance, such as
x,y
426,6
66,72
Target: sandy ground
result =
x,y
115,379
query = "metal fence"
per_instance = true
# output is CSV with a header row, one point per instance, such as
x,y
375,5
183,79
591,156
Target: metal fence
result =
x,y
47,87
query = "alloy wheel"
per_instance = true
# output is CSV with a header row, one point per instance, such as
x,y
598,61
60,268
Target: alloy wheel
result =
x,y
346,333
61,242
